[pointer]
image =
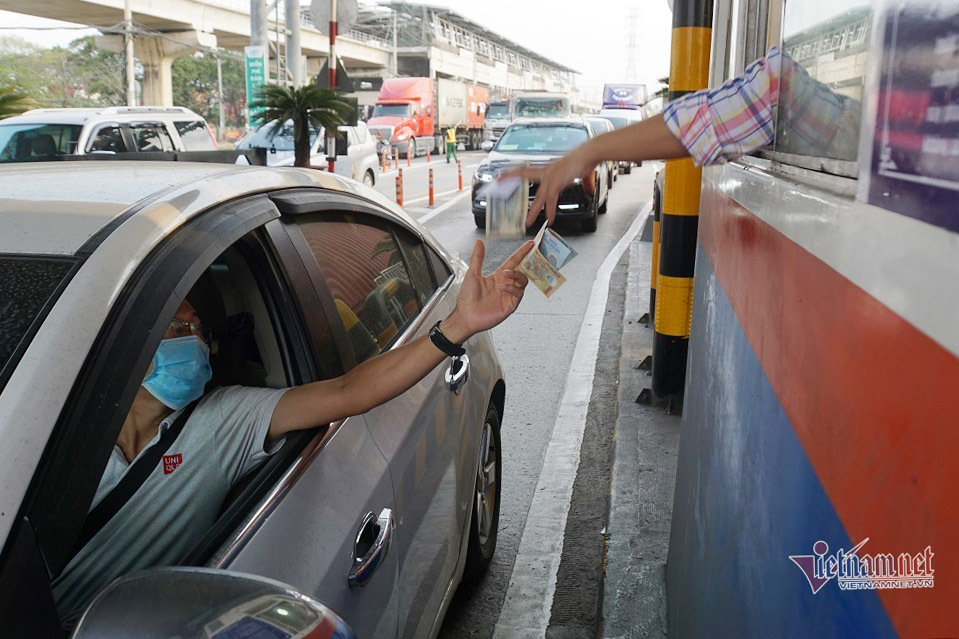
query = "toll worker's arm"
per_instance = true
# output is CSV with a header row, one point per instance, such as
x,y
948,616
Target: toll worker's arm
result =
x,y
711,126
482,303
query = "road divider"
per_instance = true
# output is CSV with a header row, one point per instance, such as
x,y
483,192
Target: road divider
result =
x,y
432,201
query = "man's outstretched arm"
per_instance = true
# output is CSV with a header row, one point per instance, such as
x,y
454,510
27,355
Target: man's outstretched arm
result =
x,y
710,125
482,303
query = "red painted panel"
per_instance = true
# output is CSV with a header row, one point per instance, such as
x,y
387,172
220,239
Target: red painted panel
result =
x,y
874,402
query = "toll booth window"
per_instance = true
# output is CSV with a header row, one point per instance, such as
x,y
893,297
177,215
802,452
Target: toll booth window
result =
x,y
368,278
825,49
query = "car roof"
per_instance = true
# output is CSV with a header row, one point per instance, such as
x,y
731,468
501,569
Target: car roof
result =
x,y
84,115
56,208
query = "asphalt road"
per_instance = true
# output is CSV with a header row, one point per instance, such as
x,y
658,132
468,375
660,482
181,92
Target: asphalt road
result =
x,y
535,346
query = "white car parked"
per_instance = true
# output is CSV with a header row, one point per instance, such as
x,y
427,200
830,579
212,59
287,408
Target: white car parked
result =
x,y
45,134
361,164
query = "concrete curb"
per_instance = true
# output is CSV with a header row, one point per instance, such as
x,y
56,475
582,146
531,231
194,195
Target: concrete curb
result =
x,y
642,480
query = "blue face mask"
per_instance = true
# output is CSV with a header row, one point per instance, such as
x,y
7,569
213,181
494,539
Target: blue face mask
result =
x,y
181,369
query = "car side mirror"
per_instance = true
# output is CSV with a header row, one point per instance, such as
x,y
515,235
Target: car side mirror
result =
x,y
202,602
486,145
429,110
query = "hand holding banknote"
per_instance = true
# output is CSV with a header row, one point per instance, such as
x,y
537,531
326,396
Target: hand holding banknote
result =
x,y
542,264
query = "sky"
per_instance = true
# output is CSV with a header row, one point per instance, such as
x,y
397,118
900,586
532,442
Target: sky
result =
x,y
590,38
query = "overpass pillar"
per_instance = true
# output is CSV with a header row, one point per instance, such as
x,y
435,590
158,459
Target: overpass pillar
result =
x,y
156,54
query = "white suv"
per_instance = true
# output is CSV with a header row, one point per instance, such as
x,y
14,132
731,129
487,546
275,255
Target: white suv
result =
x,y
46,134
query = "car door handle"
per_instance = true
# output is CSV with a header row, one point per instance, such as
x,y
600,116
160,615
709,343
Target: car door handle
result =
x,y
373,542
458,373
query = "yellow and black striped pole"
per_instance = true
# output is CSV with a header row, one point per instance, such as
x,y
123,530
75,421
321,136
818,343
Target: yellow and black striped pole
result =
x,y
654,264
688,72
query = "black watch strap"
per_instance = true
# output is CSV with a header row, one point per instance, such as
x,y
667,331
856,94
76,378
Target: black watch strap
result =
x,y
441,342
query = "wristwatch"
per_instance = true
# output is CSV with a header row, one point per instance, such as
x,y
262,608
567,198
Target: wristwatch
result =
x,y
443,343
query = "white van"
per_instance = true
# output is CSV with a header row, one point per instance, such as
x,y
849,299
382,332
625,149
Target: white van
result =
x,y
46,134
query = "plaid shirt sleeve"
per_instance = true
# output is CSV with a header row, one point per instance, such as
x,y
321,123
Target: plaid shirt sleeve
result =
x,y
737,118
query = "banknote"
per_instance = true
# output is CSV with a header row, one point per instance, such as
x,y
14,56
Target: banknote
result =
x,y
506,204
541,273
555,249
541,265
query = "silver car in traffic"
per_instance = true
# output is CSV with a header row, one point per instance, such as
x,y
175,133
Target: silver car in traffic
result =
x,y
299,276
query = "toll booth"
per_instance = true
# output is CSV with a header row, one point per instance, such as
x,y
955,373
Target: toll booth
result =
x,y
818,461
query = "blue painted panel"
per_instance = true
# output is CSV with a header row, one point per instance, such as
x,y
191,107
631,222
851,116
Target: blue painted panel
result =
x,y
747,498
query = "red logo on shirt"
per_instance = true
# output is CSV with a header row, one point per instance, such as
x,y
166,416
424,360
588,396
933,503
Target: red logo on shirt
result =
x,y
171,462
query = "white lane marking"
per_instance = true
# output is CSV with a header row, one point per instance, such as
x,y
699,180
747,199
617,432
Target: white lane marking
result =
x,y
529,596
392,172
436,196
429,216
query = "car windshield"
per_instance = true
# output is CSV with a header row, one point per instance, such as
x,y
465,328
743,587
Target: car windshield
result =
x,y
396,110
37,142
498,111
524,138
27,286
536,107
263,137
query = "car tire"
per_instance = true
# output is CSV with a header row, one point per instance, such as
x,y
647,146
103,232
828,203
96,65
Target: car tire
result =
x,y
369,179
480,221
484,519
604,206
628,169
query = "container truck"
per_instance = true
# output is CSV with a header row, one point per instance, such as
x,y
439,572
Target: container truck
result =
x,y
411,115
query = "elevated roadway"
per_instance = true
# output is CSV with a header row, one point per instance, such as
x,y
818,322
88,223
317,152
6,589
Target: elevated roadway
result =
x,y
185,26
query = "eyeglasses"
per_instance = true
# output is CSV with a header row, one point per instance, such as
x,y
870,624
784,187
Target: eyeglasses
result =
x,y
182,329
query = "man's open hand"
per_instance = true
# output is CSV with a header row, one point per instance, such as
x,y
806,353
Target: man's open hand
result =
x,y
486,300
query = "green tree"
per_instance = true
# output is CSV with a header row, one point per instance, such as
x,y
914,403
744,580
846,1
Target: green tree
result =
x,y
80,74
12,102
195,86
309,107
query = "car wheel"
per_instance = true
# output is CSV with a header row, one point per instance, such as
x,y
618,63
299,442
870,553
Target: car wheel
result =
x,y
480,221
605,205
628,169
484,521
368,178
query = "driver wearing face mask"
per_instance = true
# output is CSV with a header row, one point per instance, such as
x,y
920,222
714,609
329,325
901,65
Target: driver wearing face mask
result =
x,y
233,429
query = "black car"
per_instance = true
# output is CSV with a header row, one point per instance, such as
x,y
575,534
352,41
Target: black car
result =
x,y
538,141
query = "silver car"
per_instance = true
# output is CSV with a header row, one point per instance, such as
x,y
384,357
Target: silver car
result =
x,y
361,160
299,275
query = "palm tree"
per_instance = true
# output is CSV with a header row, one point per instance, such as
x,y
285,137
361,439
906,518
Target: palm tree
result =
x,y
309,107
12,102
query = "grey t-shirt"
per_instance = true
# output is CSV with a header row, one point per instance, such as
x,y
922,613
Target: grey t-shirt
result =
x,y
224,438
